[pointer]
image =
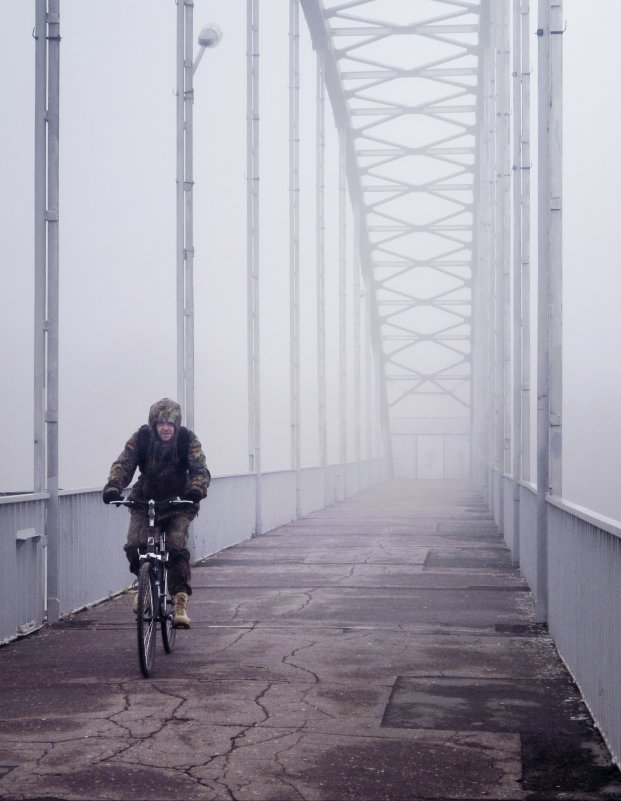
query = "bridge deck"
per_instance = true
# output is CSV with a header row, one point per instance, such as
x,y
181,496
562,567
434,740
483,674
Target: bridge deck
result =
x,y
383,648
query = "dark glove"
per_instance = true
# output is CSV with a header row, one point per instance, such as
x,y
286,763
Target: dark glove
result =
x,y
194,495
111,494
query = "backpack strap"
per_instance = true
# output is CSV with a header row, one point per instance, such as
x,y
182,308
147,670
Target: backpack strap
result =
x,y
183,446
144,437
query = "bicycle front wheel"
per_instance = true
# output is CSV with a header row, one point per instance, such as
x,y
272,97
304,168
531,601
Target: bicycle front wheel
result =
x,y
169,632
146,619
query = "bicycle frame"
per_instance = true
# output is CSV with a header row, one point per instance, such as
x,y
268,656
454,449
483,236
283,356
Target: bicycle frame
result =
x,y
156,552
153,597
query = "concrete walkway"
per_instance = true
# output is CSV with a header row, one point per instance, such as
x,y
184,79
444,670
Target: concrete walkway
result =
x,y
383,648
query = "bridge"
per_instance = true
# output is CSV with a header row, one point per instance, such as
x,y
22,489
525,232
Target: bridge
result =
x,y
352,241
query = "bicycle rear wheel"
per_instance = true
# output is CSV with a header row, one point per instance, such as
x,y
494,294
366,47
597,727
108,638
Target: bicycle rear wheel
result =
x,y
146,619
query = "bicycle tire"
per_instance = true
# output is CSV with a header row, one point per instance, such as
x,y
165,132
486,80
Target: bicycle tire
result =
x,y
146,619
167,618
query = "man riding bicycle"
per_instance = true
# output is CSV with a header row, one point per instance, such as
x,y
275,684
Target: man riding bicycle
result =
x,y
172,464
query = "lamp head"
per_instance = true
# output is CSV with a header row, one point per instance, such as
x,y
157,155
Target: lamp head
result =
x,y
210,35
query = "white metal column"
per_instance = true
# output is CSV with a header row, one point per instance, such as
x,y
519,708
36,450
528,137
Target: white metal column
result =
x,y
294,243
482,292
343,307
501,250
51,415
526,380
40,242
180,208
320,257
357,333
188,191
517,274
252,130
549,351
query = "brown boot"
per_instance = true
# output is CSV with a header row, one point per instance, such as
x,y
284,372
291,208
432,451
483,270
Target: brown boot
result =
x,y
182,621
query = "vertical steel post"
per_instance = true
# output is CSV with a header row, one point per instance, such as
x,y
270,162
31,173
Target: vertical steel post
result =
x,y
555,141
543,322
356,290
369,386
549,353
320,254
294,243
505,230
525,235
188,189
489,227
53,511
40,238
497,444
501,243
480,262
180,211
517,275
254,373
343,307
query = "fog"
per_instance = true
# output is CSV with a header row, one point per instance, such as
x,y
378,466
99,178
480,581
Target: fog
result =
x,y
118,236
117,228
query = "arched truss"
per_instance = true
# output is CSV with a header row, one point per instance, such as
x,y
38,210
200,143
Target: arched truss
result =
x,y
402,79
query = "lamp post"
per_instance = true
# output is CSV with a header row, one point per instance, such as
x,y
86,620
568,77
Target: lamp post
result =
x,y
209,36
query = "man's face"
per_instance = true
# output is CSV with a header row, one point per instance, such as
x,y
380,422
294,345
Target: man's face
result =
x,y
165,430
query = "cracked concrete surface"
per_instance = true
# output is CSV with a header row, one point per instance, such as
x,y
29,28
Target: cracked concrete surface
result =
x,y
383,648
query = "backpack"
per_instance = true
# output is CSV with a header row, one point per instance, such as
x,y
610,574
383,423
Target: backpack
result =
x,y
144,438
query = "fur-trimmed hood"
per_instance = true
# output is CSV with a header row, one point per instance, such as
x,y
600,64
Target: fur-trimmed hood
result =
x,y
165,411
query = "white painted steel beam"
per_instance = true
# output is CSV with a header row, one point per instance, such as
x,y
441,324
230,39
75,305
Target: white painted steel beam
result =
x,y
525,172
516,468
253,275
40,242
320,226
52,528
294,242
549,350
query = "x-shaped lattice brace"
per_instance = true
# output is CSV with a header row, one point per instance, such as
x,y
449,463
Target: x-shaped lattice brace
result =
x,y
415,189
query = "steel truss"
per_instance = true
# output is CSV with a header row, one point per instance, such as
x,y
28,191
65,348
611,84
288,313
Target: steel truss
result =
x,y
404,92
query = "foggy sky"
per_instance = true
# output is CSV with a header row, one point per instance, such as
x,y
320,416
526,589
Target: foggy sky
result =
x,y
117,229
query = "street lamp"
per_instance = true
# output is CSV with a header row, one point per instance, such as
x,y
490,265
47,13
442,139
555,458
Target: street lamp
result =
x,y
209,36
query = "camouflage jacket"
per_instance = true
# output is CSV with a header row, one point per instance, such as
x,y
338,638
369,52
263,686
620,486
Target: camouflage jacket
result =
x,y
164,472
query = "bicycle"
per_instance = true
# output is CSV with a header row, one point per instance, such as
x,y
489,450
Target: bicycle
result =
x,y
155,605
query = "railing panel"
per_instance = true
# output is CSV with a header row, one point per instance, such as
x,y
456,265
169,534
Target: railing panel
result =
x,y
495,504
226,517
508,511
528,536
278,498
312,489
93,565
585,613
22,590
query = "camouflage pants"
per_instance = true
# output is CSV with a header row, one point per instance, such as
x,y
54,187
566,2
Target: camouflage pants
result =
x,y
176,528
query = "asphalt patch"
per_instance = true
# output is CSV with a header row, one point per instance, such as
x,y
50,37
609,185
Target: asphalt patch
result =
x,y
562,751
494,558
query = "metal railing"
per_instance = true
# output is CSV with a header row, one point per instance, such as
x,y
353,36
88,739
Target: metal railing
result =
x,y
92,565
584,593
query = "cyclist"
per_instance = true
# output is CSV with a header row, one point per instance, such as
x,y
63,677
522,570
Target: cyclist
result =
x,y
172,464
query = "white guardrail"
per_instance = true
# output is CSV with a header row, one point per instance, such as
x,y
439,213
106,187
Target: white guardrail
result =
x,y
92,563
584,595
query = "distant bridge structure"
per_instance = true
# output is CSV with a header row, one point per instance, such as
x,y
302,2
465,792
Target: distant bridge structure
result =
x,y
452,368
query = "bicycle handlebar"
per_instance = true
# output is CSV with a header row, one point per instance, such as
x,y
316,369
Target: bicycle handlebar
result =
x,y
131,502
